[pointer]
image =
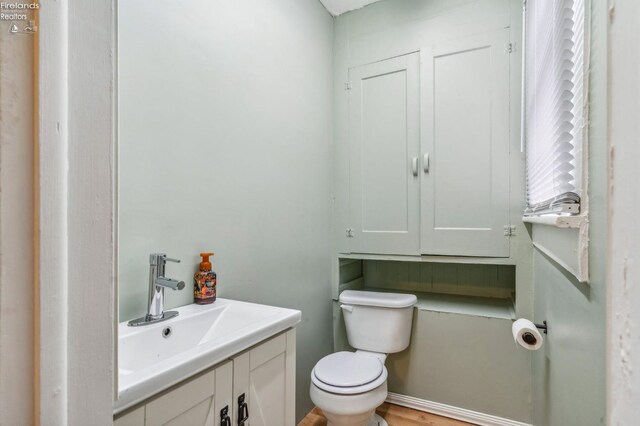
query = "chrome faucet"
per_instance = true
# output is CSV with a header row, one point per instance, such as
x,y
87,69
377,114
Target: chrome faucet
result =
x,y
157,283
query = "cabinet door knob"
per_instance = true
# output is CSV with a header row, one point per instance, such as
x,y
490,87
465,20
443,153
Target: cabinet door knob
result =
x,y
243,410
414,166
225,420
425,163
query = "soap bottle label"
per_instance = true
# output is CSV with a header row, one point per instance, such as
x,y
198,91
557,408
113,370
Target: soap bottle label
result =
x,y
205,286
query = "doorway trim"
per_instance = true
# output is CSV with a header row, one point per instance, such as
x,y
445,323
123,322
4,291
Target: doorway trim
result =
x,y
76,216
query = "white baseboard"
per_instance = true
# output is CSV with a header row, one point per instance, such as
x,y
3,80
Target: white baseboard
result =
x,y
450,411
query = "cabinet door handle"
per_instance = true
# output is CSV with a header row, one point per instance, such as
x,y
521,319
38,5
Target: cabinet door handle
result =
x,y
425,163
225,420
414,166
243,410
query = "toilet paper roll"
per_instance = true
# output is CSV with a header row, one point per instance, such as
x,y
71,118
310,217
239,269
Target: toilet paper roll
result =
x,y
526,334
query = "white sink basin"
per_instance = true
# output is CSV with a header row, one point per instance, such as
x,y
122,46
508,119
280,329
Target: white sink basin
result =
x,y
200,337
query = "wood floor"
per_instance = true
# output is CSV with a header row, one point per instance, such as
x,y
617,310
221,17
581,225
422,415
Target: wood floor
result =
x,y
395,415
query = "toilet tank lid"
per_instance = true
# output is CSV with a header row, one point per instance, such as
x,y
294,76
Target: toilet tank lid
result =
x,y
378,299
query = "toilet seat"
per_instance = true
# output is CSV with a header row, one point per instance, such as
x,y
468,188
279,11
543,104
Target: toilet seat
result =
x,y
348,373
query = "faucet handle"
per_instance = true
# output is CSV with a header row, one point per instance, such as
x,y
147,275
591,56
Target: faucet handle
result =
x,y
160,259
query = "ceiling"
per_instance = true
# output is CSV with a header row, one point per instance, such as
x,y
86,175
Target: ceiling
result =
x,y
338,7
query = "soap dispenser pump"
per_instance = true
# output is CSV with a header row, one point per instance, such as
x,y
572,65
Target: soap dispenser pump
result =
x,y
204,282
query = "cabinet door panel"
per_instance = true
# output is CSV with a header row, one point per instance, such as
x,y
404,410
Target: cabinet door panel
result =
x,y
266,377
267,351
267,392
134,418
384,137
224,391
465,134
199,415
191,403
241,386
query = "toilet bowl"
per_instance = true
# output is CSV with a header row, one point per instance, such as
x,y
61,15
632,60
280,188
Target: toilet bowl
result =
x,y
349,386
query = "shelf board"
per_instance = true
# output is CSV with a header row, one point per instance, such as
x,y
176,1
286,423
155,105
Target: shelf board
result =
x,y
346,262
558,221
457,304
433,259
357,284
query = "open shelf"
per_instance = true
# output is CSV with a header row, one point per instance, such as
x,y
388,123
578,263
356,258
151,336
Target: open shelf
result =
x,y
481,290
456,304
486,307
434,259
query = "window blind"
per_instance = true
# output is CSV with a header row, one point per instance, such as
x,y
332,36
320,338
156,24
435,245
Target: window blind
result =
x,y
554,100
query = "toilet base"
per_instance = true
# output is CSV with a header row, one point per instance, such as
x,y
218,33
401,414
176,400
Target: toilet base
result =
x,y
374,420
377,420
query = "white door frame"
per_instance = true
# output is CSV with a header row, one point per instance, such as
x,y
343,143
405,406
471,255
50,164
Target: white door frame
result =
x,y
623,251
75,306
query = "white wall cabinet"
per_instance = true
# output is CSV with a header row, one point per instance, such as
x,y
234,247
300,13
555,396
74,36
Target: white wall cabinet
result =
x,y
429,151
254,388
384,118
465,147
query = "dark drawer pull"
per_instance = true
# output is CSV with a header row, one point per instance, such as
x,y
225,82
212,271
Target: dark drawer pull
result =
x,y
243,410
225,420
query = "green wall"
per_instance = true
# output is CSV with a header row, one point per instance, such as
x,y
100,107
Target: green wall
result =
x,y
221,107
462,358
225,146
569,373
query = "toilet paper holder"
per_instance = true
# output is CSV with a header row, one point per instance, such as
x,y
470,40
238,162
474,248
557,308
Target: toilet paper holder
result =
x,y
528,334
542,327
529,338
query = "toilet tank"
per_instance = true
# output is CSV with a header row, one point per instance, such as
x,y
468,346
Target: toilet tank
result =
x,y
378,321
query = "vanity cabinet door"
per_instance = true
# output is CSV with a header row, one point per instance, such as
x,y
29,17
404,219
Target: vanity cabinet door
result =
x,y
133,418
190,404
264,383
384,134
224,394
465,147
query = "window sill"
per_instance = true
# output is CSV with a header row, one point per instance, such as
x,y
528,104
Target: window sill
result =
x,y
559,221
564,240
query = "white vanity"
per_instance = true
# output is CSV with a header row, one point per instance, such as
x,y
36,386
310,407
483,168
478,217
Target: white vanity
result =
x,y
211,365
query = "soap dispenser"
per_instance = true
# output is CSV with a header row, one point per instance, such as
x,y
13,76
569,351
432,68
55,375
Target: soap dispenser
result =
x,y
204,282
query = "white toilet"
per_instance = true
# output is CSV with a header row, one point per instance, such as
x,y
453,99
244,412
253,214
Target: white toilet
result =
x,y
348,386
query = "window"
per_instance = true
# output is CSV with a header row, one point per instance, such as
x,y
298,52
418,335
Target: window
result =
x,y
554,98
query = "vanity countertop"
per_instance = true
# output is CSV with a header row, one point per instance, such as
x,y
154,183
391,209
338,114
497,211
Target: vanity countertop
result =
x,y
154,357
